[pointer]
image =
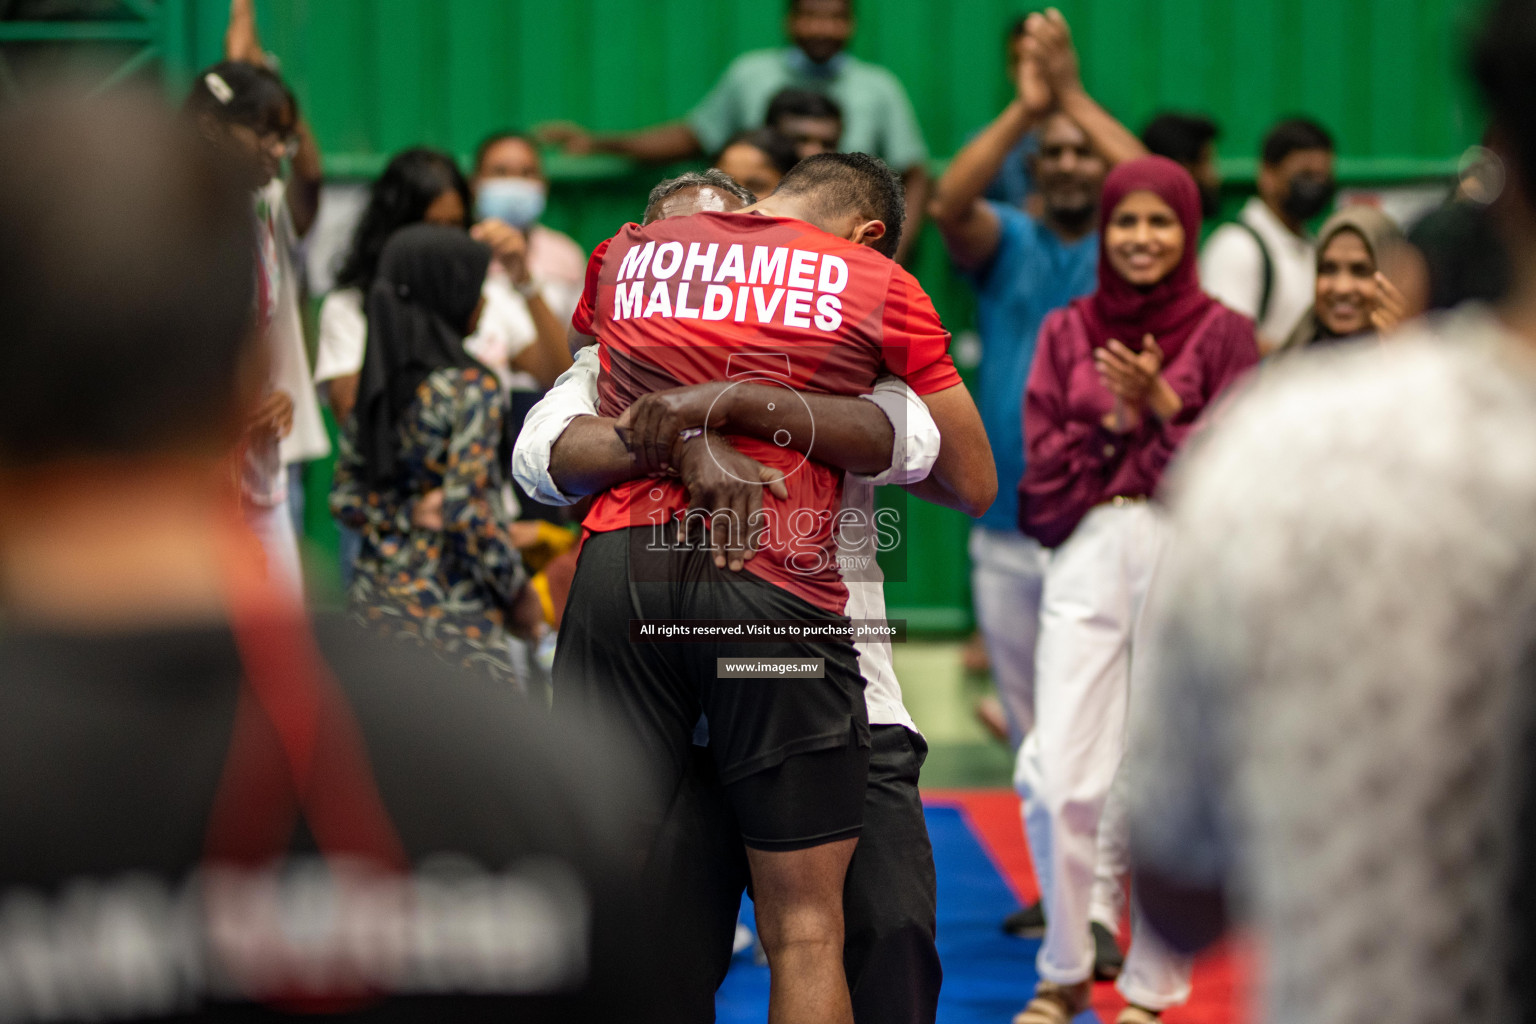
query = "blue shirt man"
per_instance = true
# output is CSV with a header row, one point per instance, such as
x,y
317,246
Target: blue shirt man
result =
x,y
1024,262
1032,272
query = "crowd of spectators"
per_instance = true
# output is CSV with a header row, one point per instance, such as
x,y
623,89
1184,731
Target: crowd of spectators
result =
x,y
1211,486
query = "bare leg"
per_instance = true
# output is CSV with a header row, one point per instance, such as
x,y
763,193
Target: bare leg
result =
x,y
799,899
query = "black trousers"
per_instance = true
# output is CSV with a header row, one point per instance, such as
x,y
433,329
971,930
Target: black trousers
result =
x,y
698,871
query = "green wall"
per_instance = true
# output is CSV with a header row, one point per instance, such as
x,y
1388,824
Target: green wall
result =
x,y
375,76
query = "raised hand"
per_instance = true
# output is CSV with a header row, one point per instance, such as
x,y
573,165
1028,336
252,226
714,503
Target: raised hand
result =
x,y
1390,305
240,40
1049,40
1034,90
509,247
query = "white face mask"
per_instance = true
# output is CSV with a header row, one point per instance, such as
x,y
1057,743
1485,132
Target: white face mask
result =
x,y
518,201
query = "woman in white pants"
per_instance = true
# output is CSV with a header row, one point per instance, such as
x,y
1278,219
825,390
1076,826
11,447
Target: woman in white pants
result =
x,y
1119,379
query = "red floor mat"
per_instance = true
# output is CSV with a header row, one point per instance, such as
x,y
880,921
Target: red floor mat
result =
x,y
1221,983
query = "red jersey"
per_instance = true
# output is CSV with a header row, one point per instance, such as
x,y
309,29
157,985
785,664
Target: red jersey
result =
x,y
722,296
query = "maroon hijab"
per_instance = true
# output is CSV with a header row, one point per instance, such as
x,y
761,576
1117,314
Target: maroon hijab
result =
x,y
1170,309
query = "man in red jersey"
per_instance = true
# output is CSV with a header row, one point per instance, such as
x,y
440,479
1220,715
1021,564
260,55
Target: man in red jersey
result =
x,y
796,293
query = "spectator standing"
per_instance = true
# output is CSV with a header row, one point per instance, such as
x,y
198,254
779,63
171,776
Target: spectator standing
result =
x,y
1263,264
423,461
292,205
417,186
1354,295
509,185
877,115
1190,141
1102,419
811,120
246,111
1023,267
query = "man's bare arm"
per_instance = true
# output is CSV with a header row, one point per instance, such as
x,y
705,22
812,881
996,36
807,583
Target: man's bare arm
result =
x,y
841,431
588,457
1049,41
660,145
965,476
970,227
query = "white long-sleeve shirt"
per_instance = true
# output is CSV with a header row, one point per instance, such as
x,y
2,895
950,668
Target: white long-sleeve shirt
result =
x,y
914,449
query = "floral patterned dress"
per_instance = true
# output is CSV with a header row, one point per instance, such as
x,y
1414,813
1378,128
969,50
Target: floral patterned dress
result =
x,y
450,590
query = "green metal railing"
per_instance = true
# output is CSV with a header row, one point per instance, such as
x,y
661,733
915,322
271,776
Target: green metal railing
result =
x,y
155,30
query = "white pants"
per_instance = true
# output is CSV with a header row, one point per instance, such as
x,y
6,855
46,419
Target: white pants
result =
x,y
1090,619
1007,572
273,526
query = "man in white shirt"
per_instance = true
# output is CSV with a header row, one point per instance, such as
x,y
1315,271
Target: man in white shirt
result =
x,y
1263,264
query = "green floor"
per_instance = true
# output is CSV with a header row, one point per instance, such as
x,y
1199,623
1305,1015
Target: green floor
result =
x,y
942,699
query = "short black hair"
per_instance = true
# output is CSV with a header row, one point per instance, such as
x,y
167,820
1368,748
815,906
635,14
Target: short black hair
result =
x,y
779,150
794,5
1502,59
800,103
841,182
496,138
398,197
1293,135
1180,137
234,92
711,178
129,252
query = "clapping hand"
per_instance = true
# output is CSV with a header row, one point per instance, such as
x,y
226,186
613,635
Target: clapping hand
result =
x,y
1390,305
509,247
1048,41
1136,379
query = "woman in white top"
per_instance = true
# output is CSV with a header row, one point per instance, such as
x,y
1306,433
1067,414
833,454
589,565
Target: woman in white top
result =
x,y
422,186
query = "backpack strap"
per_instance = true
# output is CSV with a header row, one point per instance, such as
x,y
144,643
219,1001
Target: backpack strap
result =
x,y
1269,268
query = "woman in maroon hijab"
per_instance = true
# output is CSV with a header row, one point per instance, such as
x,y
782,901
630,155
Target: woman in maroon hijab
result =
x,y
1119,380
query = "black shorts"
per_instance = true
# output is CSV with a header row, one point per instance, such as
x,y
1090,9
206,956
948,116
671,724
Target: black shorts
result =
x,y
793,753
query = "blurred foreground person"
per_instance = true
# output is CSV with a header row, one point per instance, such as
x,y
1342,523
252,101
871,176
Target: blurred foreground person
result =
x,y
213,810
1354,296
1341,712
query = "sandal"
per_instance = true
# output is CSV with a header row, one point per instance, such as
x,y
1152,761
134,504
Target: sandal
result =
x,y
1056,1004
1133,1014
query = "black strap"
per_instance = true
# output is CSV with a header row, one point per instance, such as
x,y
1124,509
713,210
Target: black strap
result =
x,y
1269,268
